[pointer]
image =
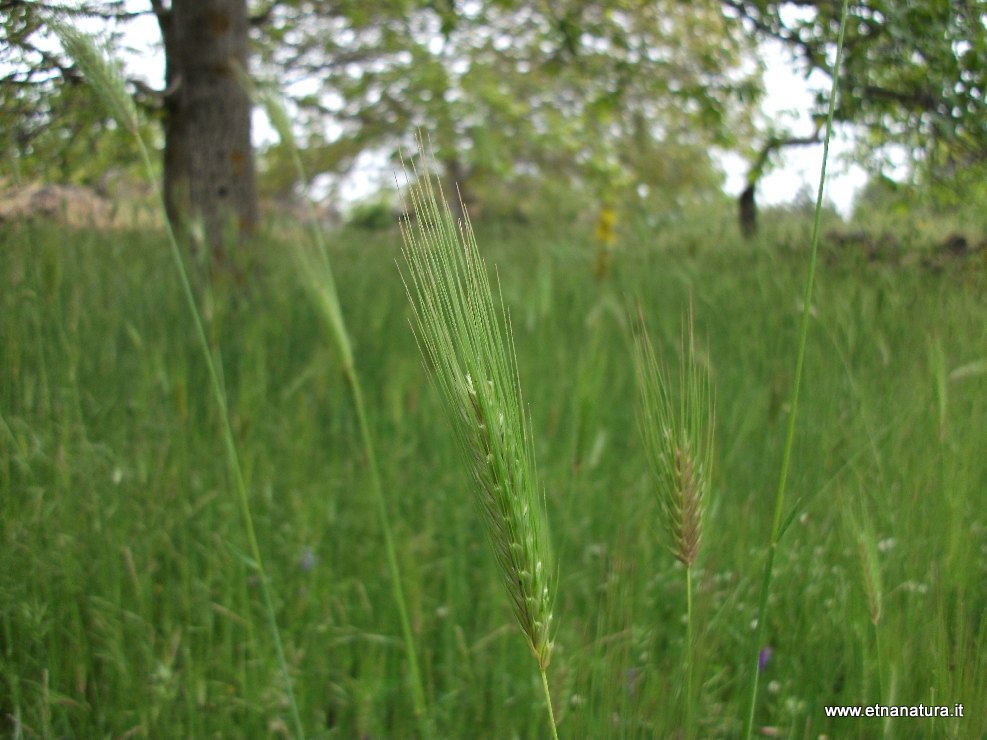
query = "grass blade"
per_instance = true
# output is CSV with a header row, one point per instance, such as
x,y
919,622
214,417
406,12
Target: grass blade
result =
x,y
776,526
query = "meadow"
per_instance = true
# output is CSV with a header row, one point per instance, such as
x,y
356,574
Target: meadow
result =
x,y
130,607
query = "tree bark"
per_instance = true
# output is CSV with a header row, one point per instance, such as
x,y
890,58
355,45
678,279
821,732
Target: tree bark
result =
x,y
747,211
747,203
209,175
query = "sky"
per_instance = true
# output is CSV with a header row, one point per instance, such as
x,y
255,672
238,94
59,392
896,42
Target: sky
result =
x,y
787,104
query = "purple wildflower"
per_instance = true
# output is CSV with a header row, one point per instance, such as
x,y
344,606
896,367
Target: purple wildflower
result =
x,y
764,657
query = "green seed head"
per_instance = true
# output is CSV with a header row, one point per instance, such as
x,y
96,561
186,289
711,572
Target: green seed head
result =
x,y
100,70
465,338
677,429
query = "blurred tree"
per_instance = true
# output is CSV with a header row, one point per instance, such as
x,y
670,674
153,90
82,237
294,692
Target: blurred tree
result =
x,y
54,132
50,129
622,98
618,101
914,73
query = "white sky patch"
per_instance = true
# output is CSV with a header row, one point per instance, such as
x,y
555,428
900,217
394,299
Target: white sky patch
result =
x,y
787,103
142,49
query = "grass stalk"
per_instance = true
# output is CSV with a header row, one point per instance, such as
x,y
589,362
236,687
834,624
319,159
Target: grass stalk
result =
x,y
776,525
861,531
470,353
315,269
690,662
107,82
548,702
678,439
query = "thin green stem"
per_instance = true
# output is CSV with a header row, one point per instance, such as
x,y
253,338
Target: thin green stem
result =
x,y
418,692
690,731
232,455
548,701
881,698
328,298
776,527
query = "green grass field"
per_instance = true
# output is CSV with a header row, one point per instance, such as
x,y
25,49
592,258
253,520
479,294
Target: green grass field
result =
x,y
128,607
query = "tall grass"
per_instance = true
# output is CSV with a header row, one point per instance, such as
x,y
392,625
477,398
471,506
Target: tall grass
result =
x,y
126,611
118,583
315,272
107,82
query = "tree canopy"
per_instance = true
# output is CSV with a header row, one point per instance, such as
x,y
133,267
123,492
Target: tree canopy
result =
x,y
51,130
913,73
605,96
597,99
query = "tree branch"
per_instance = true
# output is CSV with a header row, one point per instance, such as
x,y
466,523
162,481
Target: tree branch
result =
x,y
775,143
262,16
918,99
746,203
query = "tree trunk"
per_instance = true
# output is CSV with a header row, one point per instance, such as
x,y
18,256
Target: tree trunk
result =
x,y
747,211
209,177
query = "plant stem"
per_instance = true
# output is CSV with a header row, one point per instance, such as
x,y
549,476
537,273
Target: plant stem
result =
x,y
107,82
689,657
317,273
337,326
229,443
880,666
796,387
418,692
548,701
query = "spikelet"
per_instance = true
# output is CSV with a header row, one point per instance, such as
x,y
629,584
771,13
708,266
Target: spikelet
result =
x,y
470,353
678,436
102,72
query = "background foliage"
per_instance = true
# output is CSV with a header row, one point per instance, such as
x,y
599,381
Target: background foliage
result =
x,y
621,101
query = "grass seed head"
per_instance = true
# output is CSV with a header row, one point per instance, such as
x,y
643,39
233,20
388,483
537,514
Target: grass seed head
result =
x,y
101,70
678,437
465,337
